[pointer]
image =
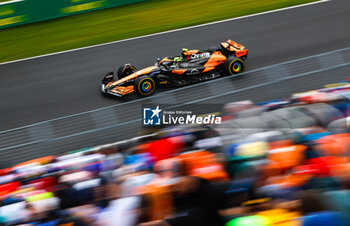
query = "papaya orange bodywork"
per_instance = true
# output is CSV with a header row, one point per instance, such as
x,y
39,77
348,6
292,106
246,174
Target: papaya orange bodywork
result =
x,y
190,52
208,69
144,71
234,46
123,90
165,59
240,53
179,72
231,45
215,59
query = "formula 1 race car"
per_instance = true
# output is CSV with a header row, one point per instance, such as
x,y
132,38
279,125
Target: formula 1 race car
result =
x,y
191,67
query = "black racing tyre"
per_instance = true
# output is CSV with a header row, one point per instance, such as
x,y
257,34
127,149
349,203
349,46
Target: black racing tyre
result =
x,y
234,65
145,86
125,70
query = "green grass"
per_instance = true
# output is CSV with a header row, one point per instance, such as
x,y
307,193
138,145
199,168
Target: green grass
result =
x,y
123,22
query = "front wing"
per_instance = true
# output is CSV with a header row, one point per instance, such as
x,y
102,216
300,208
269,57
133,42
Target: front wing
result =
x,y
118,91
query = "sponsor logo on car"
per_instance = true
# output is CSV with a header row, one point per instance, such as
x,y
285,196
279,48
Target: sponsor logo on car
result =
x,y
194,72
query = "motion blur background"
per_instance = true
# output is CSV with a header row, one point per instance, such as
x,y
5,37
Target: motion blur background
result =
x,y
107,25
69,156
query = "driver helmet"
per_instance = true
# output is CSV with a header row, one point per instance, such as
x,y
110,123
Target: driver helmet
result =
x,y
177,60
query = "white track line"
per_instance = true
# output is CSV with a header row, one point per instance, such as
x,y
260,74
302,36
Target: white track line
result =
x,y
13,1
166,32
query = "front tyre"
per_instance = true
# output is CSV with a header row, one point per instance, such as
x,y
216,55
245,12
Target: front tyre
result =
x,y
125,70
234,65
144,86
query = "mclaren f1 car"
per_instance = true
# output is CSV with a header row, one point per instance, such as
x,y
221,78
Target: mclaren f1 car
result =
x,y
191,67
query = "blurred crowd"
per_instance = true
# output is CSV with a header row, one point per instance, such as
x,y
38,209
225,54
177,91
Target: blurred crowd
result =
x,y
282,162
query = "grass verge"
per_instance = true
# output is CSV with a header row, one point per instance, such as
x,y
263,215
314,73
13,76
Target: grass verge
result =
x,y
123,22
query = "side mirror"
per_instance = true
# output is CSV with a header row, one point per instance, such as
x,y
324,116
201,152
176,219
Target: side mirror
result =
x,y
108,78
158,60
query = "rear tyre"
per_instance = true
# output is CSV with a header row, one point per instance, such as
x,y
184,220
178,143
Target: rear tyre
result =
x,y
234,65
145,86
125,70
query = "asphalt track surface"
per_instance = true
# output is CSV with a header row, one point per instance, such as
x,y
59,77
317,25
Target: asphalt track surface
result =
x,y
59,85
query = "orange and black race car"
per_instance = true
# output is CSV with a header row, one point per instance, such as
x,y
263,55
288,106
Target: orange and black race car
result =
x,y
191,67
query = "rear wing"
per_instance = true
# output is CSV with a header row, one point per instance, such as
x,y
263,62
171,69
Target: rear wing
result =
x,y
232,46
